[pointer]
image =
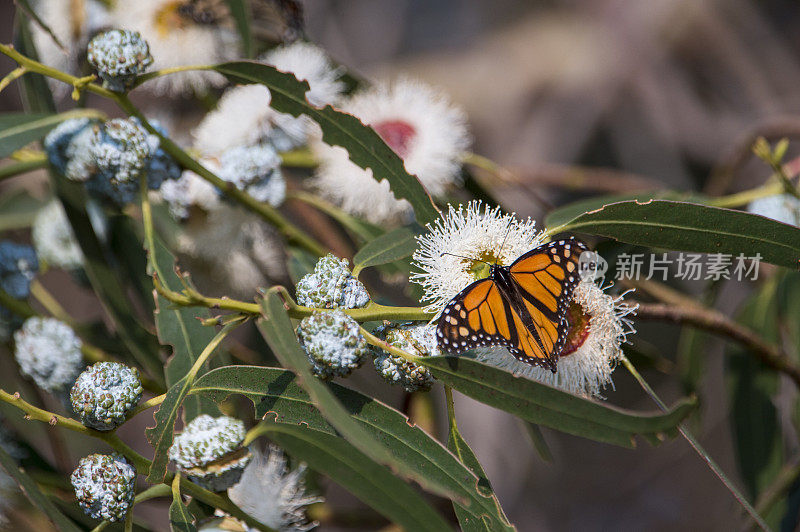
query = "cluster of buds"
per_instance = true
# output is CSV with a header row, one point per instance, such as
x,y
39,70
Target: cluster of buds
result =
x,y
331,286
104,393
209,451
417,340
119,56
104,486
333,342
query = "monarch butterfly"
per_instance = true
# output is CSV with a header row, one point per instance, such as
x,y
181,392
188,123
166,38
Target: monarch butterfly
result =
x,y
522,306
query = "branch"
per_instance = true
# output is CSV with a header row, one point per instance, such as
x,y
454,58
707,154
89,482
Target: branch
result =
x,y
569,177
723,172
713,321
701,452
267,212
140,462
190,297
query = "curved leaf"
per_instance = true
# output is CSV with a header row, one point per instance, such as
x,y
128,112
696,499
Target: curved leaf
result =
x,y
20,129
180,519
276,390
691,227
18,209
179,327
373,483
279,334
161,435
105,280
240,11
365,146
755,421
550,407
470,518
300,263
567,212
389,247
35,92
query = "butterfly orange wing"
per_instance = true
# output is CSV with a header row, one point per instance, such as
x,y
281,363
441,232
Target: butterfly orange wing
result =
x,y
545,279
530,321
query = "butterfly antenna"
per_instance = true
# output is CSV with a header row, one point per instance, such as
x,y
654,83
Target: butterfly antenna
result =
x,y
508,230
462,257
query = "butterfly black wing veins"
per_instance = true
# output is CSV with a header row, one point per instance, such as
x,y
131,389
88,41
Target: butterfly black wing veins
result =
x,y
455,335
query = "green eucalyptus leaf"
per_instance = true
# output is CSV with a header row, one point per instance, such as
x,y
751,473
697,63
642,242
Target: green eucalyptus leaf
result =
x,y
535,435
276,390
36,94
565,213
758,440
124,238
692,227
180,328
18,209
17,130
788,294
372,483
34,494
691,358
240,11
180,518
550,407
279,334
365,146
105,280
572,210
471,518
161,435
389,247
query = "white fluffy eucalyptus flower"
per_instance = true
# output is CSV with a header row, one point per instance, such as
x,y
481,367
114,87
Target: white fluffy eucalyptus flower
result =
x,y
243,116
49,352
420,124
52,236
177,36
475,231
598,327
73,22
273,494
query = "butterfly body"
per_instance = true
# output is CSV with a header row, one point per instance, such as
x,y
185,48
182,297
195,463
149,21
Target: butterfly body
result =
x,y
522,306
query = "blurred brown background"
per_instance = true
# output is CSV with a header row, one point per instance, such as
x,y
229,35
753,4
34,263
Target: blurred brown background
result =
x,y
664,91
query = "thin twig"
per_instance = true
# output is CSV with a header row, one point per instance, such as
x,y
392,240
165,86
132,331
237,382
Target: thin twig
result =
x,y
716,322
386,346
140,462
11,76
14,169
723,172
701,452
505,176
190,297
291,232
